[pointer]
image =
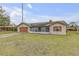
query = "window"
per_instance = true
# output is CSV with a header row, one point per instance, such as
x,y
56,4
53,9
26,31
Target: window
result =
x,y
44,29
57,28
47,29
31,29
34,29
39,29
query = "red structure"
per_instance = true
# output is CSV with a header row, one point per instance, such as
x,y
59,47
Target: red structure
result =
x,y
23,29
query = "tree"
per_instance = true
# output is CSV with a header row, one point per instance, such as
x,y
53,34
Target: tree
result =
x,y
4,18
73,26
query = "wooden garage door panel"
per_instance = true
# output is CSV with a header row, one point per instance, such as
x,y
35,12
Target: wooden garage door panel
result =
x,y
23,29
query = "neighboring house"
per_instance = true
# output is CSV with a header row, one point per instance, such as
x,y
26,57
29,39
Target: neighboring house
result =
x,y
55,27
72,26
7,28
78,28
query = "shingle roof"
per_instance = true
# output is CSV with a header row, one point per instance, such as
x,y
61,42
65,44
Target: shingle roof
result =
x,y
38,24
44,23
23,23
61,22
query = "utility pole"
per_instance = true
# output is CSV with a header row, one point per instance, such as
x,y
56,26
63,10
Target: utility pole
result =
x,y
22,12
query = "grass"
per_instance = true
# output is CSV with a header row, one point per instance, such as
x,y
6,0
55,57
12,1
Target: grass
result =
x,y
38,44
6,32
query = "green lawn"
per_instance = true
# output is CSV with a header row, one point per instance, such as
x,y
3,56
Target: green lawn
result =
x,y
5,32
37,44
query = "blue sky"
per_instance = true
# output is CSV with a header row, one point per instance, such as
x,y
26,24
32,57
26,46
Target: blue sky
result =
x,y
42,12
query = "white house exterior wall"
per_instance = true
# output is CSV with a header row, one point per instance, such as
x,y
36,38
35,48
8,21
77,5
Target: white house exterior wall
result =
x,y
63,32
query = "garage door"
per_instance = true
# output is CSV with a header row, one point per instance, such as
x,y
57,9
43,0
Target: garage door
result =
x,y
23,29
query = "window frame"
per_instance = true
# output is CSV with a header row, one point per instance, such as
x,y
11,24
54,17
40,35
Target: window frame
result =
x,y
57,28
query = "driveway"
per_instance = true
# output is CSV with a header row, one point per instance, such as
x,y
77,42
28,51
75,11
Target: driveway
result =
x,y
8,35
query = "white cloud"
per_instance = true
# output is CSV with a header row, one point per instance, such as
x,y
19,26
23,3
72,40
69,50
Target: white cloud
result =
x,y
29,5
34,20
53,18
16,12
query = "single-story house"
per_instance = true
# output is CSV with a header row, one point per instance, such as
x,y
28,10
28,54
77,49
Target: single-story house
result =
x,y
51,27
7,28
